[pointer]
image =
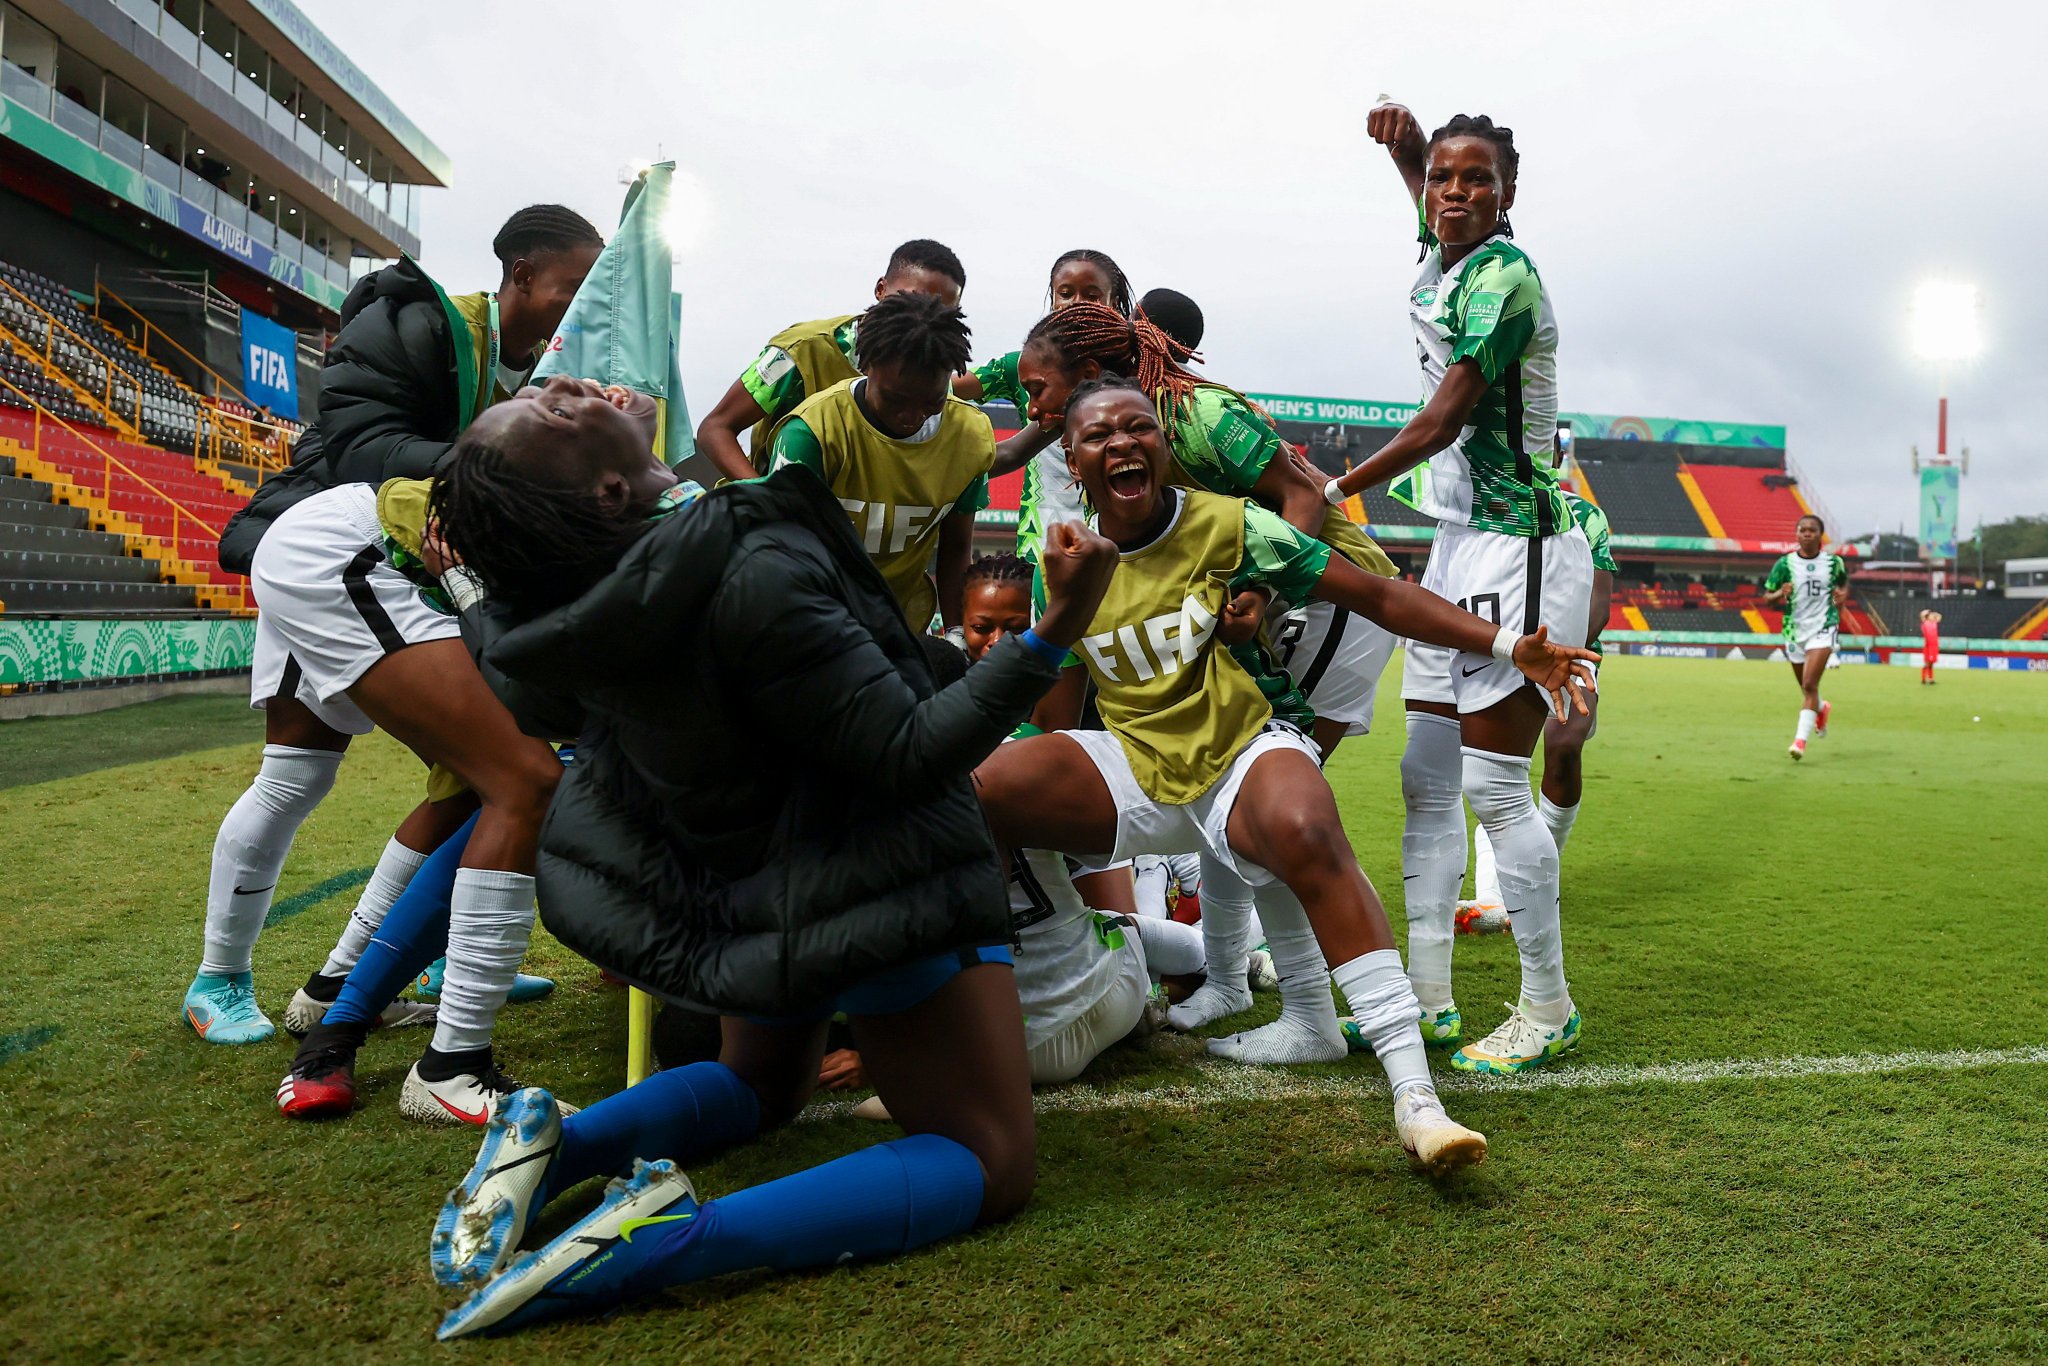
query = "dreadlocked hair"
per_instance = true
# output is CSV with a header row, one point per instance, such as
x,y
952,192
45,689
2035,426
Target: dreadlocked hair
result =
x,y
541,228
922,253
1136,346
1503,140
1004,569
917,331
1119,283
537,545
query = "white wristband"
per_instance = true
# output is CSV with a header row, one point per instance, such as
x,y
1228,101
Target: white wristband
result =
x,y
1504,644
464,588
1333,495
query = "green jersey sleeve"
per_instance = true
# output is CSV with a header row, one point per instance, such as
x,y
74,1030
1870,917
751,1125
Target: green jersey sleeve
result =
x,y
1038,610
1838,572
1494,317
1278,555
797,444
774,382
1780,575
1593,521
999,381
1222,444
974,499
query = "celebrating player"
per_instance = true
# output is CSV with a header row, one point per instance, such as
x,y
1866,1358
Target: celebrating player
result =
x,y
1202,747
801,838
1506,547
408,371
1811,587
806,359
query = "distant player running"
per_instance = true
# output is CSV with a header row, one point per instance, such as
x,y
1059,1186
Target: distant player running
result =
x,y
1811,586
808,358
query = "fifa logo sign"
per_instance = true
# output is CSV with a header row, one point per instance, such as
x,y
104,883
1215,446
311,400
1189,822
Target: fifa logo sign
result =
x,y
1157,647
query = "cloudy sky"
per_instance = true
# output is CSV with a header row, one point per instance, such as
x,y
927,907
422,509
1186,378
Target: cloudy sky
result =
x,y
1730,203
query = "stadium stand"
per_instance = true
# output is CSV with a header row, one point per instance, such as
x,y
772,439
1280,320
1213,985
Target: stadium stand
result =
x,y
1750,504
52,561
1980,618
1636,482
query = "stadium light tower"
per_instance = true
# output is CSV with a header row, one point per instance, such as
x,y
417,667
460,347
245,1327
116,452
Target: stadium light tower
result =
x,y
1946,331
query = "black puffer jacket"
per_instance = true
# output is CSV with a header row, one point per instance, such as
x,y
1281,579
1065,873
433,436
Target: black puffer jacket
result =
x,y
390,402
770,801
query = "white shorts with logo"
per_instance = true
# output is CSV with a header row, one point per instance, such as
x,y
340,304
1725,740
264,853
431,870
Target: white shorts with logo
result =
x,y
1515,581
1144,826
1823,639
1336,658
329,605
1066,1053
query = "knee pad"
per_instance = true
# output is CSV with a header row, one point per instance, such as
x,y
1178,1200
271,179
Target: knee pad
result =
x,y
1497,786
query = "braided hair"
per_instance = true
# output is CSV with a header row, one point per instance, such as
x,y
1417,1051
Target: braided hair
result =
x,y
1119,283
1503,140
535,543
541,228
921,253
922,333
999,569
1137,347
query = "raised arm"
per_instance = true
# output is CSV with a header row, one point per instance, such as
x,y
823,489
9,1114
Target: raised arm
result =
x,y
1394,128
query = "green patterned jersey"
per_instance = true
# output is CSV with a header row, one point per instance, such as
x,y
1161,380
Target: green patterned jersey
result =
x,y
1491,309
1811,608
1182,709
1593,521
999,383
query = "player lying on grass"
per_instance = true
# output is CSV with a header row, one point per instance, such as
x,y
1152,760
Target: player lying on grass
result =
x,y
1505,547
808,358
409,369
1204,746
770,816
1810,585
1564,742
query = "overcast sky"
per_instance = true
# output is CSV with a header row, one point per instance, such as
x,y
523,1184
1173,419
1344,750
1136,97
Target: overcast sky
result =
x,y
1730,203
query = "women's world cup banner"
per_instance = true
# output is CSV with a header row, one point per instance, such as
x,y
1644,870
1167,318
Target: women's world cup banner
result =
x,y
1940,490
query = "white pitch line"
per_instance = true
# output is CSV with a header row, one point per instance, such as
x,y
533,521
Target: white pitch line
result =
x,y
1215,1081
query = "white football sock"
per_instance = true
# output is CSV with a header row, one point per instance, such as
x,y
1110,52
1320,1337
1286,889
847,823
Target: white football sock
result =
x,y
1432,851
1558,818
1226,945
1151,879
1187,871
490,919
394,870
1485,877
1497,785
1307,1030
1171,948
249,852
1385,1008
1807,721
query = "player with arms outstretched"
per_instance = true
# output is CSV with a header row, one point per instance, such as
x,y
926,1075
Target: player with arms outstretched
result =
x,y
1811,586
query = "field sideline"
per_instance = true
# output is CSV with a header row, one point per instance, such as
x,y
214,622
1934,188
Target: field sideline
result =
x,y
1807,1121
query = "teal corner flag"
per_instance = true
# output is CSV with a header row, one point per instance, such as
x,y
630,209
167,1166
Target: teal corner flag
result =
x,y
621,327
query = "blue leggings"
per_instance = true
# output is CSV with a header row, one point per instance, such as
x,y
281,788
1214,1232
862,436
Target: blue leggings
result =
x,y
414,934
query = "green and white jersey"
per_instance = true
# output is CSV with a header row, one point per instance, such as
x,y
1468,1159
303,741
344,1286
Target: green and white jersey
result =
x,y
1811,609
1592,520
1066,952
1491,309
1050,494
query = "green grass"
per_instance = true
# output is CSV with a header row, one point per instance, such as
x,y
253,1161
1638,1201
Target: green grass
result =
x,y
43,748
1721,902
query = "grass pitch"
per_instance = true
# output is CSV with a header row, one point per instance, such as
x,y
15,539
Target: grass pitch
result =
x,y
1723,906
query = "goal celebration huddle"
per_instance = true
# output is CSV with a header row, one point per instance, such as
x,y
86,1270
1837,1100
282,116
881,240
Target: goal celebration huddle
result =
x,y
785,753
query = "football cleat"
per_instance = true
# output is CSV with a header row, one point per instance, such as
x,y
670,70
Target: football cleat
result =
x,y
594,1264
322,1082
1436,1143
484,1218
307,1010
1519,1045
1798,749
1820,725
1440,1029
1259,971
1482,917
224,1009
427,986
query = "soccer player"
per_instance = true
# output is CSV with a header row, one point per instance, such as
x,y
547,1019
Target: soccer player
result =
x,y
1080,276
802,837
1203,745
908,461
1930,642
410,368
1564,742
1810,586
806,359
1506,548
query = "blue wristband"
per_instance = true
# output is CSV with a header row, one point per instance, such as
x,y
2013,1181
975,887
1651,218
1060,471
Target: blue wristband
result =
x,y
1043,648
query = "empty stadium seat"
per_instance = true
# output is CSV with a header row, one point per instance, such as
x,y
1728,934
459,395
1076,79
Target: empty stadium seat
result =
x,y
1983,618
1751,504
1636,483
